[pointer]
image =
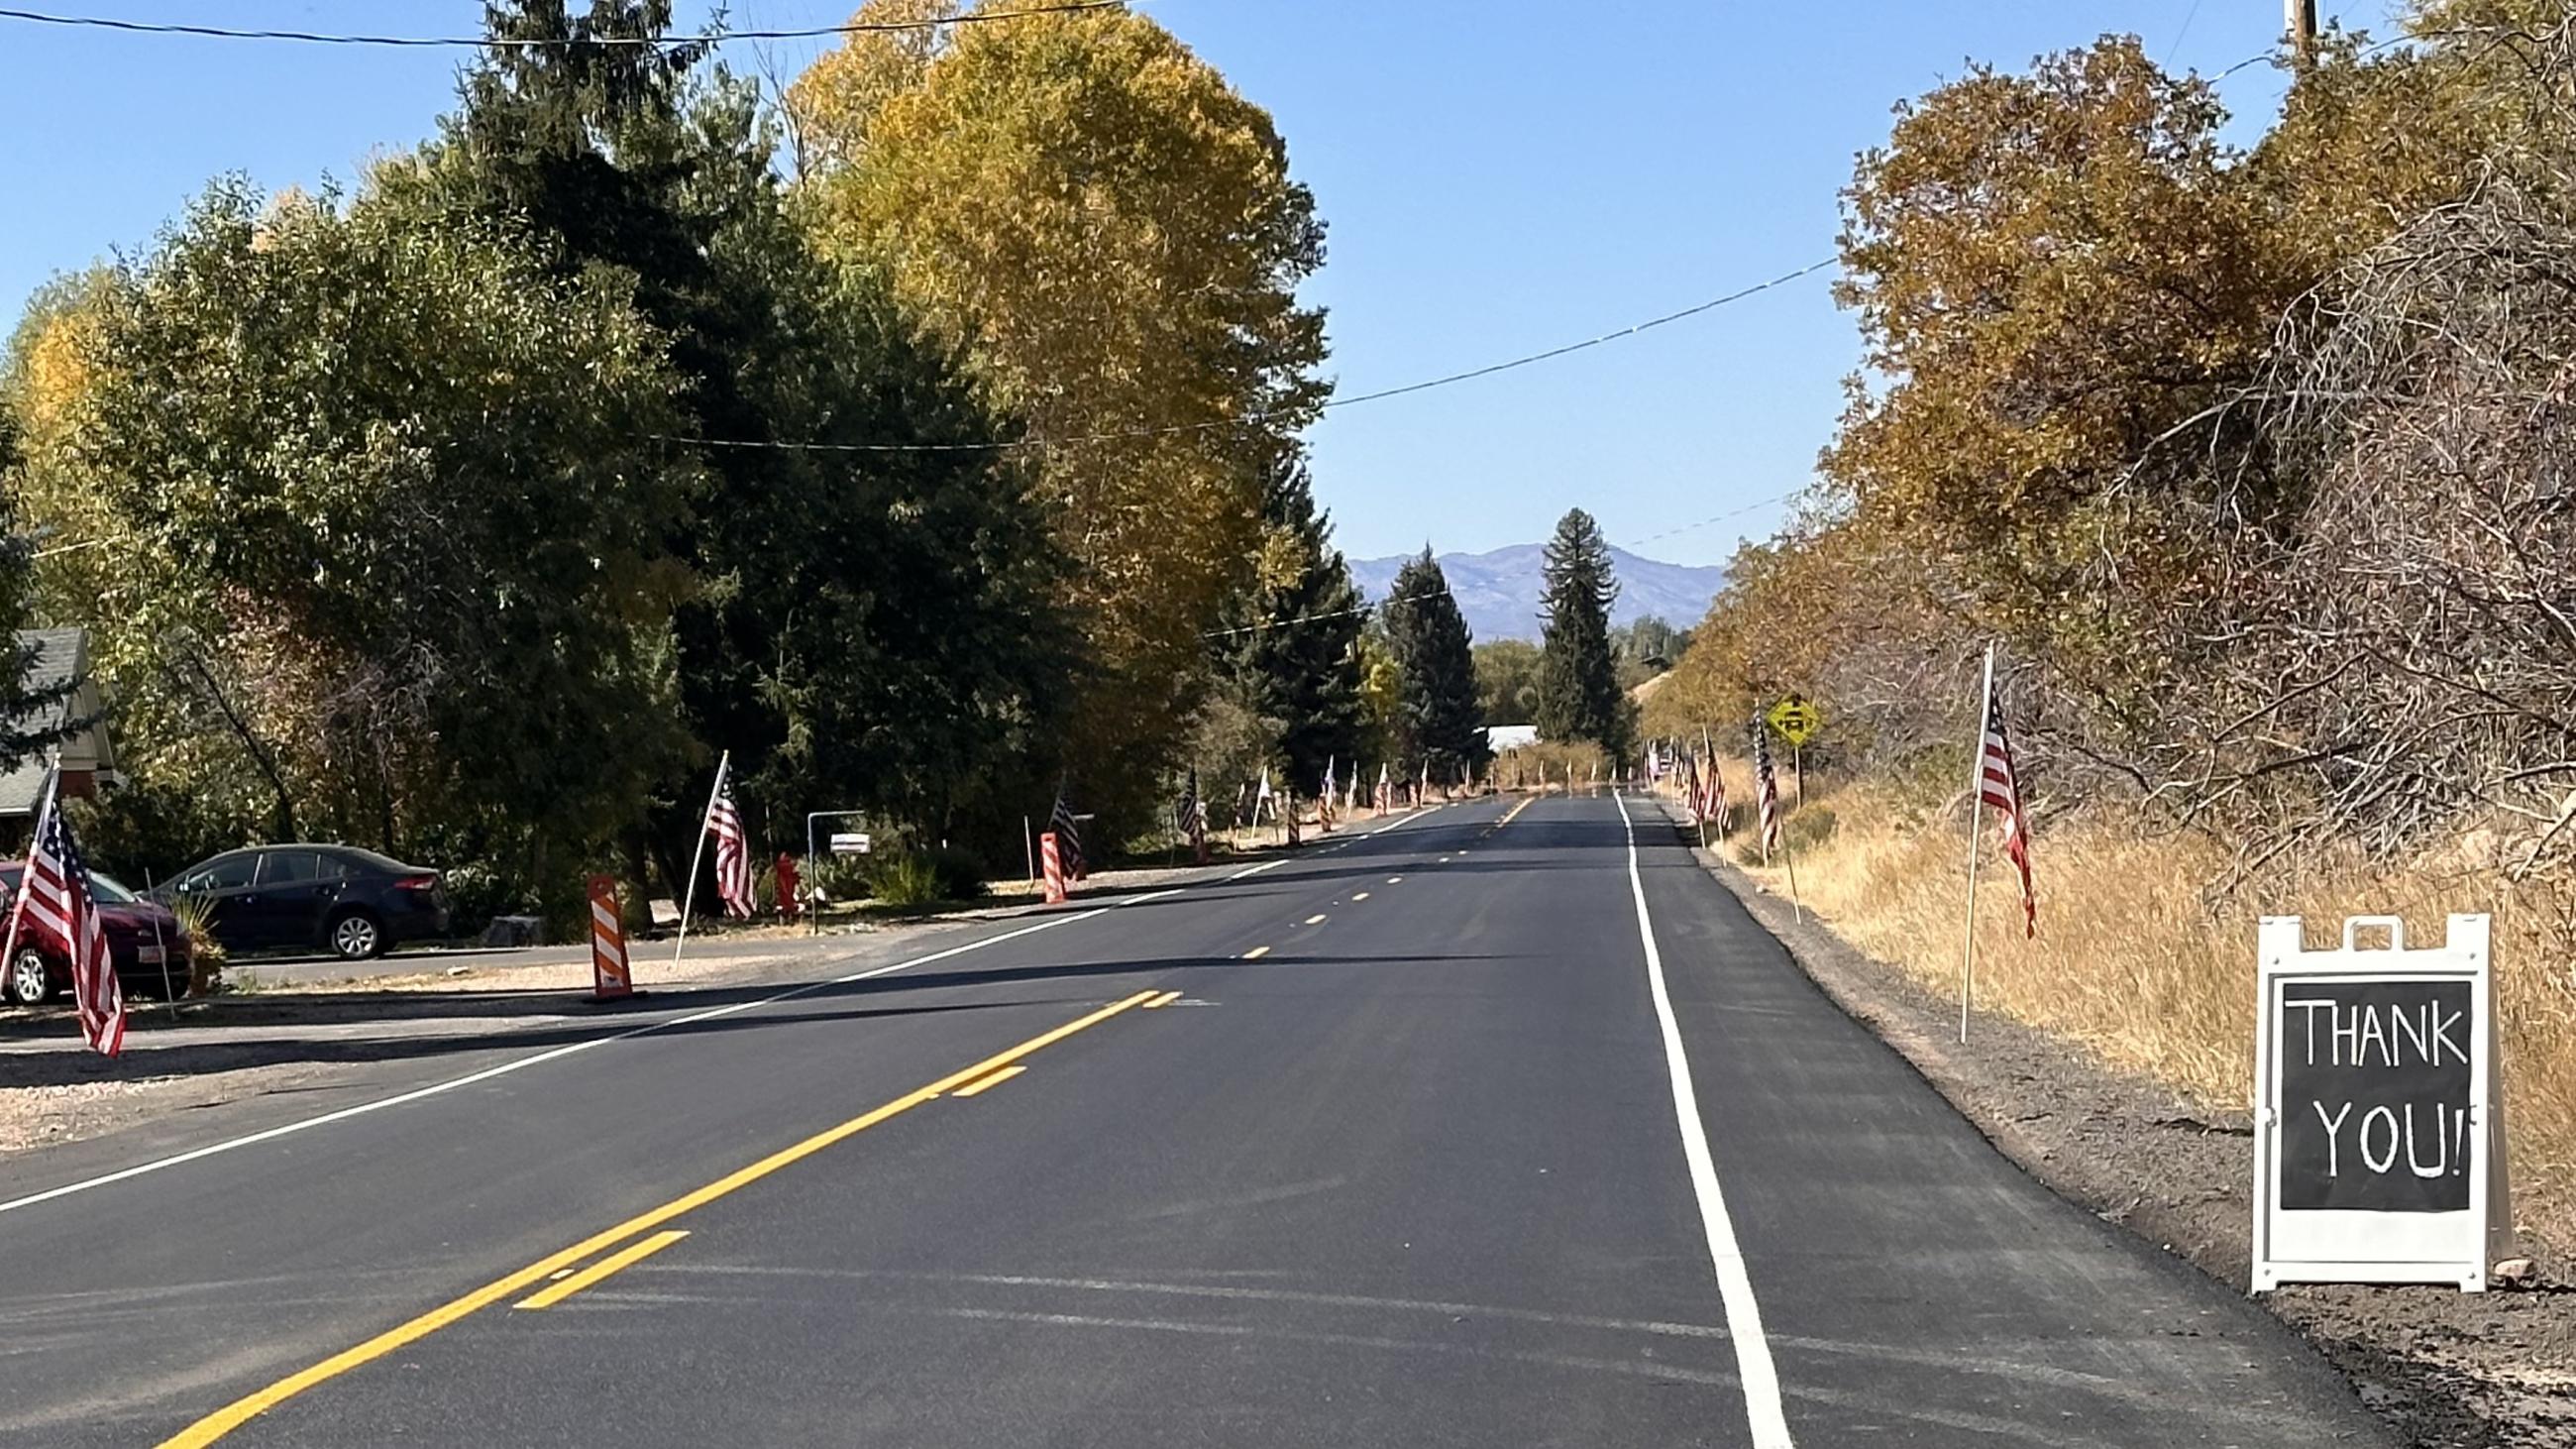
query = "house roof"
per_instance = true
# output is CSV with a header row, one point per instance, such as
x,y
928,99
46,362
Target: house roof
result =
x,y
61,656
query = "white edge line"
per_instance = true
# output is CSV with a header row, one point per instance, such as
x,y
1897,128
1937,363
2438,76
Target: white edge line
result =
x,y
1769,1421
286,1129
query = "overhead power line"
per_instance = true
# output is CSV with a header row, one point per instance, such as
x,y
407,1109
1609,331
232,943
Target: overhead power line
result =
x,y
1130,434
718,35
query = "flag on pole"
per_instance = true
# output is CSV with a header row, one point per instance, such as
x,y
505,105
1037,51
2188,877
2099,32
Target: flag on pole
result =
x,y
1385,789
1261,797
56,907
733,849
2002,794
1068,835
1326,799
1768,787
1189,813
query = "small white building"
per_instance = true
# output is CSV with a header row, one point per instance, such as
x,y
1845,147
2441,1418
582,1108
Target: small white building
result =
x,y
1499,738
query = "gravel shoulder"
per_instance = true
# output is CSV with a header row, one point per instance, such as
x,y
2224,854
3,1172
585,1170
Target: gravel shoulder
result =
x,y
2446,1368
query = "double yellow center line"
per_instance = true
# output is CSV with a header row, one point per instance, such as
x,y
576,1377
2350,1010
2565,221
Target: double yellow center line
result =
x,y
981,1076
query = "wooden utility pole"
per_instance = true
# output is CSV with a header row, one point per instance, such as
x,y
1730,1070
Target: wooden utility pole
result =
x,y
2299,27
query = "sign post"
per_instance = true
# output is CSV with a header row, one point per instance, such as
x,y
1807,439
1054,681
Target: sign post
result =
x,y
609,976
1797,719
2378,1123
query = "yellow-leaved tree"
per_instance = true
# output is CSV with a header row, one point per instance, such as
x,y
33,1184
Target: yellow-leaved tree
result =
x,y
1109,233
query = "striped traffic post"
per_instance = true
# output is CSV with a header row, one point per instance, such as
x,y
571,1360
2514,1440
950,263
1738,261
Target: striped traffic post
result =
x,y
1053,860
609,976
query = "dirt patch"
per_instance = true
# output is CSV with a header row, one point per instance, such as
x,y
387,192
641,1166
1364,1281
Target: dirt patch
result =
x,y
2450,1370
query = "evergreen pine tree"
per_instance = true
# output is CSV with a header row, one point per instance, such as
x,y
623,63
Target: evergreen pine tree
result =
x,y
1295,659
19,705
1438,710
874,628
1578,680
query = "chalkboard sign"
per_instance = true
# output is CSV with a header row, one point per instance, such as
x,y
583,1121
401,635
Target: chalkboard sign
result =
x,y
2375,1102
2378,1149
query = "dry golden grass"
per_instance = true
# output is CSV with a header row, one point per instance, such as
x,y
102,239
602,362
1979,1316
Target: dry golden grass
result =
x,y
2136,961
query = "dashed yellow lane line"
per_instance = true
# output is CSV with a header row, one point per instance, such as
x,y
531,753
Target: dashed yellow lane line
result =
x,y
1526,802
981,1085
618,1261
1256,953
1166,999
241,1411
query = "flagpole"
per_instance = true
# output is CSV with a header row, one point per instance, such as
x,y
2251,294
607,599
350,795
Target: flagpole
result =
x,y
1976,825
689,897
18,902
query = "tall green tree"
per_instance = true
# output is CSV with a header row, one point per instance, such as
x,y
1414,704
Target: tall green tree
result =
x,y
1293,652
1578,679
1438,708
387,522
19,734
1507,681
1109,230
876,625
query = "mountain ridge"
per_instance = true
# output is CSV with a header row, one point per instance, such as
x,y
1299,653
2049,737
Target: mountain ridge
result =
x,y
1499,590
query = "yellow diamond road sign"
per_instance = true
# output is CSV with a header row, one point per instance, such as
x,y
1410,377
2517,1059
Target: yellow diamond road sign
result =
x,y
1795,719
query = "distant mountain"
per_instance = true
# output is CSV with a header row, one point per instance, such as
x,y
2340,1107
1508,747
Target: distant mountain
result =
x,y
1499,591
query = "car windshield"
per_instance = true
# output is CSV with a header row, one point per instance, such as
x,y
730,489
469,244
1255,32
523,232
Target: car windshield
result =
x,y
106,888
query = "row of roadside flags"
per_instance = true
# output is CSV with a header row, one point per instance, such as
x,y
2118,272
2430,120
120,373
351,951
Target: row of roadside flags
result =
x,y
55,908
1694,771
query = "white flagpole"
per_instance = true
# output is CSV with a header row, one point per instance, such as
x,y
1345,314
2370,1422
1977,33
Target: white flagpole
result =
x,y
18,902
689,897
1976,827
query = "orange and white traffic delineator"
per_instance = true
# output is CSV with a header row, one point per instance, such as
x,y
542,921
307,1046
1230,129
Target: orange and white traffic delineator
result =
x,y
609,977
1054,863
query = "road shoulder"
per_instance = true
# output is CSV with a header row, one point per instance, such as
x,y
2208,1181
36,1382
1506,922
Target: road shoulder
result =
x,y
2442,1367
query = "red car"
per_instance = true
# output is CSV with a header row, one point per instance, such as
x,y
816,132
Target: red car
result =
x,y
151,953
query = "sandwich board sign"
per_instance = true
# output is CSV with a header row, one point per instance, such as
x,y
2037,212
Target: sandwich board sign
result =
x,y
2378,1129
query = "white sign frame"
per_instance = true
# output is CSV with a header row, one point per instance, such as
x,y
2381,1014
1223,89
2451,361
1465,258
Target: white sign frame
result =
x,y
2356,1246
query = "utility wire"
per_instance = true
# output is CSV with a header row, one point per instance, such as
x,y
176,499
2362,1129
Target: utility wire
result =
x,y
718,35
1258,414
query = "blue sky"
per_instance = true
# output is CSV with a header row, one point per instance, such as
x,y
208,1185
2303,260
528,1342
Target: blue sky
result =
x,y
1499,177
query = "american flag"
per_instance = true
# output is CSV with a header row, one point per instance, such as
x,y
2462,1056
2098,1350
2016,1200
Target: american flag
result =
x,y
55,906
1385,790
1189,813
1716,797
1690,788
1068,836
733,849
2002,794
1768,786
1325,801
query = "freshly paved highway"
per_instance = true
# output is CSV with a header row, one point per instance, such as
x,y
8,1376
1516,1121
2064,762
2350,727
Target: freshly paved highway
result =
x,y
1404,1142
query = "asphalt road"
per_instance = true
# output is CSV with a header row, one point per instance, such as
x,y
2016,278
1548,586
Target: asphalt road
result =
x,y
1411,1141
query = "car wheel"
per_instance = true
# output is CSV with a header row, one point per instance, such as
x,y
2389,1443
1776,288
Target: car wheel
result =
x,y
26,983
357,936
